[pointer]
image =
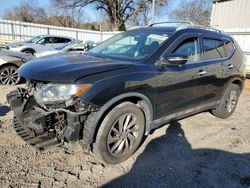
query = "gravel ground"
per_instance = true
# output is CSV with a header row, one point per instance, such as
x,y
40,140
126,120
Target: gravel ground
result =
x,y
199,151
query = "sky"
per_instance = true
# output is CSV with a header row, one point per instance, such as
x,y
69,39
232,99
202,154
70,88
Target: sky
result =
x,y
6,4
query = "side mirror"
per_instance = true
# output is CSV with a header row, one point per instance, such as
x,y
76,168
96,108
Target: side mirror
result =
x,y
176,60
42,42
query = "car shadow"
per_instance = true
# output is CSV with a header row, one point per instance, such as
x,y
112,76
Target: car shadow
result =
x,y
170,161
4,110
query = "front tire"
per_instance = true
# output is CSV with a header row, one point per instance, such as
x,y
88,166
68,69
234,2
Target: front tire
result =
x,y
120,133
228,102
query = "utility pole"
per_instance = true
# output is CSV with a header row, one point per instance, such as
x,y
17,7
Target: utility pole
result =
x,y
153,11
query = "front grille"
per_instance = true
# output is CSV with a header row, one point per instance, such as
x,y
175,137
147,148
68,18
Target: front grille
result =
x,y
41,141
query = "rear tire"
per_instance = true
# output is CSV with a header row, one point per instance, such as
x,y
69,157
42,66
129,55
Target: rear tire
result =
x,y
228,102
120,133
9,75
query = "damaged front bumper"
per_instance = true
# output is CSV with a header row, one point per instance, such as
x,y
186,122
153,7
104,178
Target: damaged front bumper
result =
x,y
43,128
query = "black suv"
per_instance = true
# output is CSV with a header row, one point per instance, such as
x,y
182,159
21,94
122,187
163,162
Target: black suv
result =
x,y
136,81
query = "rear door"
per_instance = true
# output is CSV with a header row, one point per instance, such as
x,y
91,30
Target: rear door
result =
x,y
177,89
216,69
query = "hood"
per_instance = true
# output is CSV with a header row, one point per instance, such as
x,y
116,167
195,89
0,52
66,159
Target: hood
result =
x,y
15,54
67,67
16,44
45,53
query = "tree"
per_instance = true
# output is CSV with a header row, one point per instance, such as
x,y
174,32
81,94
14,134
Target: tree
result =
x,y
27,12
144,16
63,16
53,15
196,11
118,11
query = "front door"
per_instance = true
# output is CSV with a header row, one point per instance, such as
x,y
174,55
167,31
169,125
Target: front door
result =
x,y
177,85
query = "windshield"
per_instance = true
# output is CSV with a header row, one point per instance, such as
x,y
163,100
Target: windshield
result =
x,y
34,39
130,45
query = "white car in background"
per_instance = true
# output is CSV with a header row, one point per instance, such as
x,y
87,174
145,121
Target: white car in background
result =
x,y
39,44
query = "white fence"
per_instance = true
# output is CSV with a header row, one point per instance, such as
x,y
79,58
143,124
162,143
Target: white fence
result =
x,y
15,30
242,36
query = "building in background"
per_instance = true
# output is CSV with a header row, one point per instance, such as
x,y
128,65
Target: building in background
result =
x,y
233,17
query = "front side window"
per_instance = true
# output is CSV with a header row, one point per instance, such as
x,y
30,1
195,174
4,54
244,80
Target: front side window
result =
x,y
42,41
189,48
129,45
49,40
213,49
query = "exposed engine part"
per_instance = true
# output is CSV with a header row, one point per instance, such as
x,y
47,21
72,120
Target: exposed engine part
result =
x,y
60,125
42,127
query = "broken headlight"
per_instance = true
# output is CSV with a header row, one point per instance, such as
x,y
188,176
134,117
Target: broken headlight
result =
x,y
52,92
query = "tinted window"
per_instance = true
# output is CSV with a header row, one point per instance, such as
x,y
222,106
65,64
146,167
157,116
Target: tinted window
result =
x,y
48,40
59,40
190,48
67,40
213,49
229,47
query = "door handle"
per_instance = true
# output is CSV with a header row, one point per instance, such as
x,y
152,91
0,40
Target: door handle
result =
x,y
230,66
202,72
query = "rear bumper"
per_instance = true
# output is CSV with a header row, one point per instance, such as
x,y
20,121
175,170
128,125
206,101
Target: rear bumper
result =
x,y
43,128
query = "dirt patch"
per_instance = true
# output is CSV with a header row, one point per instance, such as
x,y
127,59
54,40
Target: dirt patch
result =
x,y
247,84
199,151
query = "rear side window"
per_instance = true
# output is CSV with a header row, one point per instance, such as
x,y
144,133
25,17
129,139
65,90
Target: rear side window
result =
x,y
60,40
67,40
229,47
213,49
190,48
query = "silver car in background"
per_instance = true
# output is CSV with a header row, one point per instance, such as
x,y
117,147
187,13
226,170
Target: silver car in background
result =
x,y
72,47
9,63
39,44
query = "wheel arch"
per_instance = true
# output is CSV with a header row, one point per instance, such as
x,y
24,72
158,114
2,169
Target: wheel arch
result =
x,y
30,49
237,81
234,80
137,98
9,64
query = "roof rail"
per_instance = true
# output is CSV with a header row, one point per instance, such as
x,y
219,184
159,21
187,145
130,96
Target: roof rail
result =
x,y
198,27
171,23
185,25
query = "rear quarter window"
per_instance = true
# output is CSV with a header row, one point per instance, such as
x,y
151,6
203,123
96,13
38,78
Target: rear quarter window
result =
x,y
229,47
67,40
213,49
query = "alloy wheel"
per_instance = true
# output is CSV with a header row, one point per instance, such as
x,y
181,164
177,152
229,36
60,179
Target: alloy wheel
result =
x,y
231,101
122,135
9,76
